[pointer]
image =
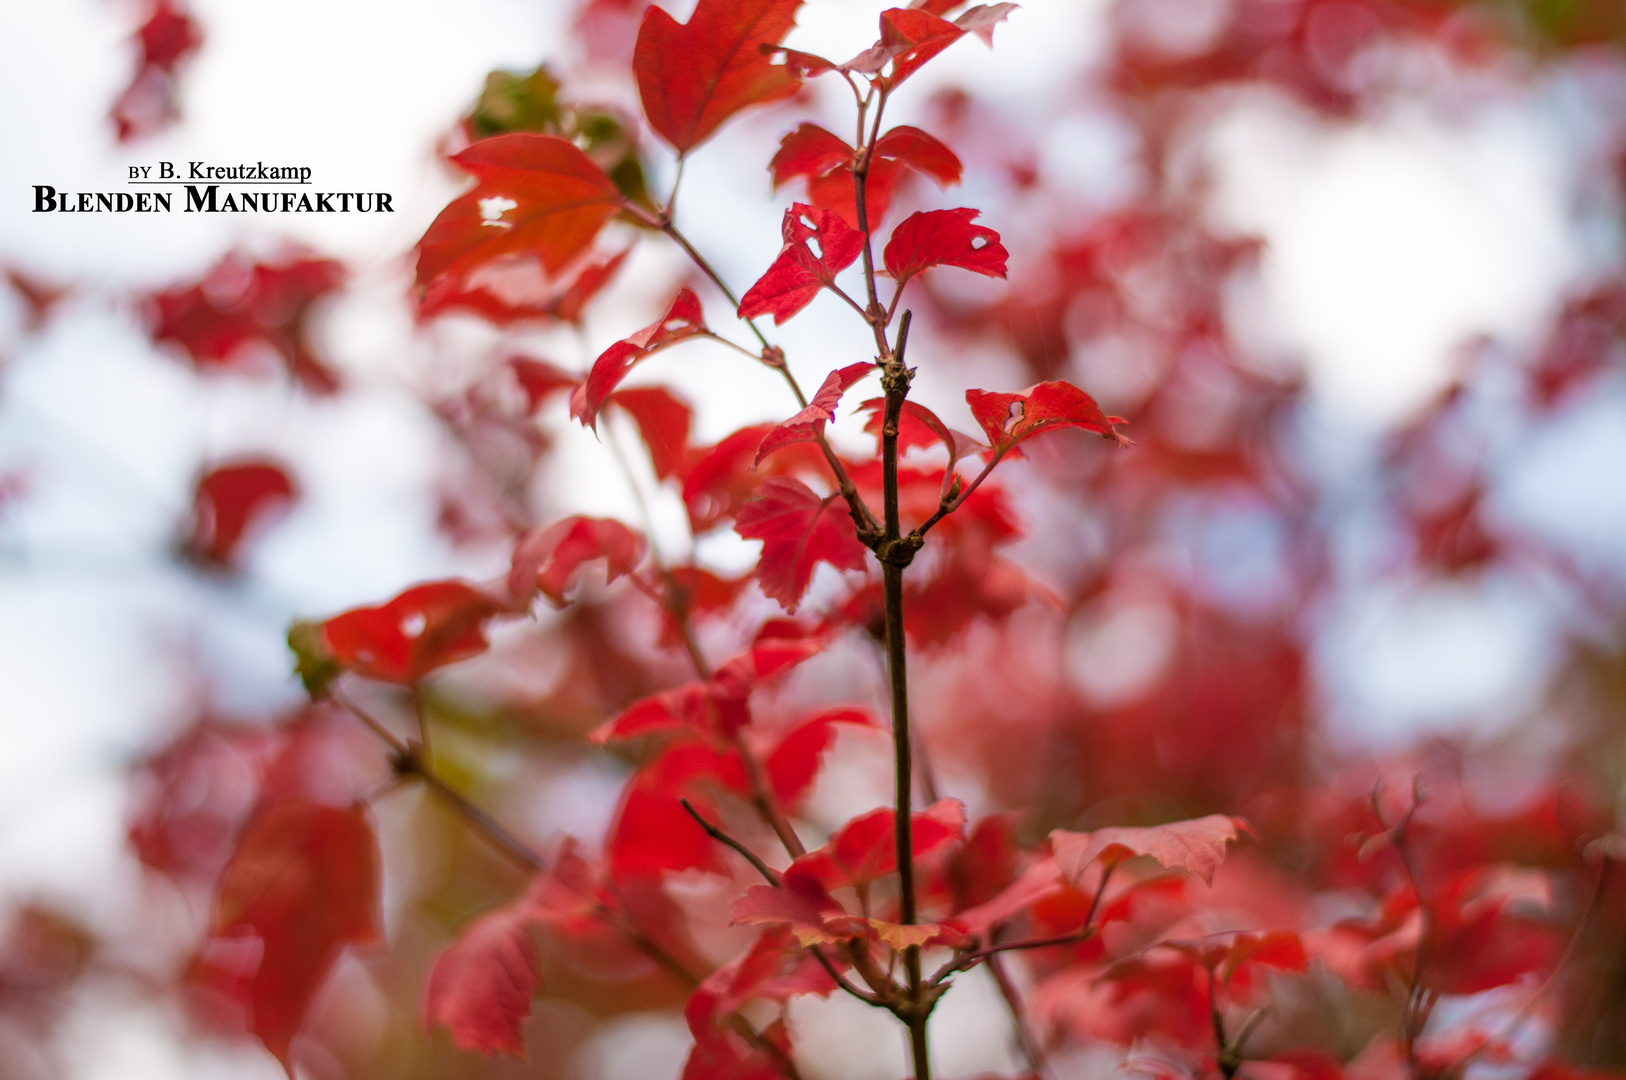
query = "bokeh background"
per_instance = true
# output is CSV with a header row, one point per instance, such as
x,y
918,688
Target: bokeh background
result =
x,y
1435,207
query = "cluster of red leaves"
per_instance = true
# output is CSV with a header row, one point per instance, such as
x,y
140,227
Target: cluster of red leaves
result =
x,y
1318,949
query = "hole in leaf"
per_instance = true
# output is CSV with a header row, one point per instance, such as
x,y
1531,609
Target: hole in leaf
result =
x,y
414,624
492,209
978,243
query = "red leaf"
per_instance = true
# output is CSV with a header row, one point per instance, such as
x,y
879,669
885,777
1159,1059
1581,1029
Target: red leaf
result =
x,y
241,311
718,708
919,426
798,274
718,480
304,880
864,848
944,238
512,292
912,36
684,319
194,794
775,969
652,832
148,104
539,380
1009,419
794,763
809,151
480,987
664,421
920,151
801,904
987,863
694,76
1197,846
548,559
426,627
561,200
1038,882
827,164
808,425
798,530
230,502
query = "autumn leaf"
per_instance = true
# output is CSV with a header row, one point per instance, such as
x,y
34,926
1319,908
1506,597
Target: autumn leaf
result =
x,y
304,880
808,425
539,380
1196,846
798,530
426,627
799,272
519,291
241,311
717,708
663,420
1010,419
719,479
943,238
149,103
826,162
534,195
683,320
652,833
865,848
801,904
233,501
918,426
693,76
481,986
548,560
794,762
912,36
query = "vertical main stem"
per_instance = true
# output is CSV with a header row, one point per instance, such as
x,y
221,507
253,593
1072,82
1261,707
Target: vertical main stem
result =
x,y
895,381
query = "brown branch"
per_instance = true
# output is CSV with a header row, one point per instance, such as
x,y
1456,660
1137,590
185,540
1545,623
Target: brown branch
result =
x,y
773,879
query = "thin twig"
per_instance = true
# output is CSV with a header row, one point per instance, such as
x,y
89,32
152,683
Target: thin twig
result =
x,y
768,873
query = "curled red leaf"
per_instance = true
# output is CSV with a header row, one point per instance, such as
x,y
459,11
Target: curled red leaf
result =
x,y
426,627
548,560
1010,419
865,848
1196,846
808,425
683,319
